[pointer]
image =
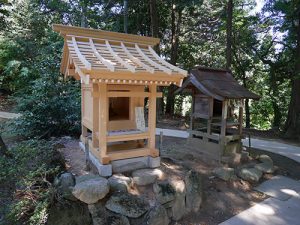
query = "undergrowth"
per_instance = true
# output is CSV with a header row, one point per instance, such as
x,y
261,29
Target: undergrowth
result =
x,y
30,169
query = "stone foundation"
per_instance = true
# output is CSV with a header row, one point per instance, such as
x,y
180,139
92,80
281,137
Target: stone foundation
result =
x,y
123,165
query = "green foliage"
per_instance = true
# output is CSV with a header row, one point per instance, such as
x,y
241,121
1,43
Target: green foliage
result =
x,y
31,168
51,107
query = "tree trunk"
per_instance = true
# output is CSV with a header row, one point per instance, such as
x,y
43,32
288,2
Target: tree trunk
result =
x,y
247,107
155,33
83,22
126,16
174,55
292,125
247,113
3,149
273,94
229,34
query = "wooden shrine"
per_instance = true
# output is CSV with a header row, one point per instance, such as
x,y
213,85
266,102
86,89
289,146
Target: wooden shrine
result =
x,y
216,122
117,72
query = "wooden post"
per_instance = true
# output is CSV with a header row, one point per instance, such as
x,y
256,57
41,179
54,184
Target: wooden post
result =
x,y
152,120
103,117
95,119
83,128
241,118
211,112
224,118
192,114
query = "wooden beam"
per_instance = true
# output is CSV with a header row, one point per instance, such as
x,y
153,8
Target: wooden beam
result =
x,y
136,60
175,68
127,137
153,63
88,32
81,57
85,78
103,117
127,154
152,116
107,63
118,58
131,94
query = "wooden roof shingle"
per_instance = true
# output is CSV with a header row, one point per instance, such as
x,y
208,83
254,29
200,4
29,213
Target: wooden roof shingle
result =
x,y
217,83
113,57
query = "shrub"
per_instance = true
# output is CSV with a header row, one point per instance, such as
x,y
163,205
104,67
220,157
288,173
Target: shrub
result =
x,y
30,169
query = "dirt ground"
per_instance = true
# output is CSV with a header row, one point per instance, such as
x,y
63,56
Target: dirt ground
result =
x,y
221,200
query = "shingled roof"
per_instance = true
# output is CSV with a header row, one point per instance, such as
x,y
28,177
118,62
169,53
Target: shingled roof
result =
x,y
111,57
216,83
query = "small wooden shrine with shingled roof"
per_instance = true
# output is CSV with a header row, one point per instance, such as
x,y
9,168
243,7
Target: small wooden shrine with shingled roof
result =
x,y
117,72
216,122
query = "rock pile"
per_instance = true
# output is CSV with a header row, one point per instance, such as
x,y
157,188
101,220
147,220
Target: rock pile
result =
x,y
251,172
110,201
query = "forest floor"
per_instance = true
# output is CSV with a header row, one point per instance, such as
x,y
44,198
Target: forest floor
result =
x,y
181,123
222,200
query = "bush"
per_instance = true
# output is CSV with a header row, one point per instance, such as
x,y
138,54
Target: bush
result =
x,y
51,108
30,169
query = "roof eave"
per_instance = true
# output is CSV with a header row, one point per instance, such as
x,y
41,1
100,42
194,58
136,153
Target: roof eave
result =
x,y
93,33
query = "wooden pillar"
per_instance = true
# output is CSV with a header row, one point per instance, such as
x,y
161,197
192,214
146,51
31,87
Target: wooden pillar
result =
x,y
103,117
210,115
224,118
192,113
152,120
241,108
83,128
95,95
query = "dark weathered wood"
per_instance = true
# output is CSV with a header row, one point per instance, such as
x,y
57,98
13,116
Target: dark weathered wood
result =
x,y
229,34
292,125
218,84
3,148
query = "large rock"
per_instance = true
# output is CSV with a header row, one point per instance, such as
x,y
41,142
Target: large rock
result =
x,y
127,205
86,177
69,213
146,176
119,182
193,199
178,208
265,159
224,173
250,174
102,216
91,190
156,216
164,192
64,185
265,167
245,156
116,219
98,213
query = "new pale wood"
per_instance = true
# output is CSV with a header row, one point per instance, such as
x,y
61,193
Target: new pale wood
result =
x,y
103,117
152,116
115,65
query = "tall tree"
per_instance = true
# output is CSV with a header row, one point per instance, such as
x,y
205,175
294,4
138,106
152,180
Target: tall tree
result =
x,y
286,15
229,13
176,19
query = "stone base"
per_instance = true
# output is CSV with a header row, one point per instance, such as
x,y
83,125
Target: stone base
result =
x,y
103,170
123,165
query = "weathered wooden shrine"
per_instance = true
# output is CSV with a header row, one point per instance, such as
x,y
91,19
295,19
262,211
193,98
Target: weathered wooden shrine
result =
x,y
117,72
217,107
